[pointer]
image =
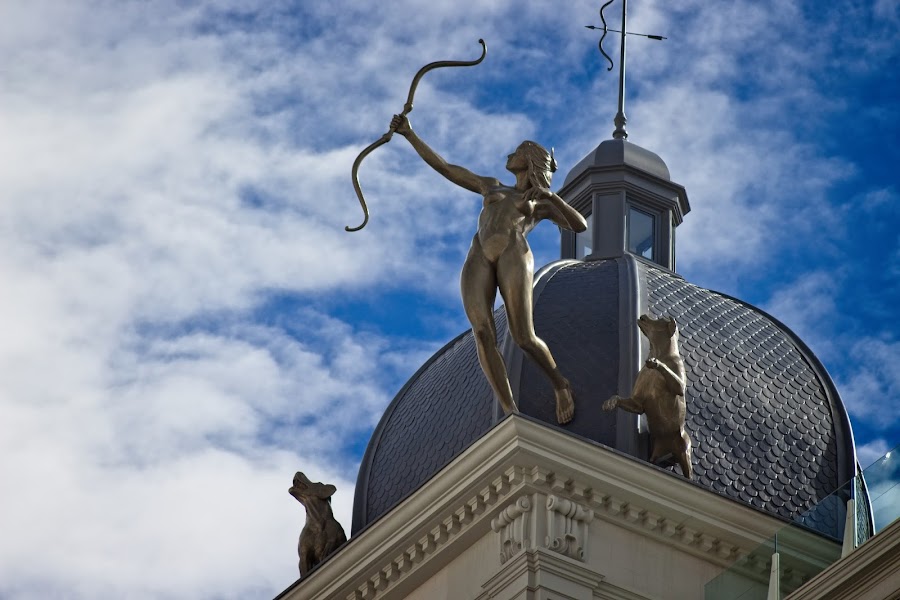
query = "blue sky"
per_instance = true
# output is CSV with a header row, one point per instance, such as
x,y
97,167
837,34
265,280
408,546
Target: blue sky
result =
x,y
186,323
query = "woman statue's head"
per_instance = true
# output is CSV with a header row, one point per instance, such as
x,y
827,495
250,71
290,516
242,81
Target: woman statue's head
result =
x,y
541,164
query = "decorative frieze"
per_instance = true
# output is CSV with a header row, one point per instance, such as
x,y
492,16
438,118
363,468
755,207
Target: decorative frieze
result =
x,y
634,517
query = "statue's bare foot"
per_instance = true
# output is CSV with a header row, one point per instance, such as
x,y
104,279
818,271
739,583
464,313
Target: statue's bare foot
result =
x,y
565,405
611,403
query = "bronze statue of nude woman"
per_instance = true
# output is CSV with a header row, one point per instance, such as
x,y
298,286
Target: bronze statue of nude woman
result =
x,y
500,258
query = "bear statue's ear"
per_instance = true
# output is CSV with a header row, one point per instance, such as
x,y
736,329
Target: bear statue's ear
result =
x,y
673,326
328,490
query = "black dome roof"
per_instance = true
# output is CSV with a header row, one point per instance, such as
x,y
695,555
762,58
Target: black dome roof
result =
x,y
768,426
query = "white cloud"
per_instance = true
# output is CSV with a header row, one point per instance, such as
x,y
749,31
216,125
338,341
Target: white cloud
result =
x,y
807,307
883,482
867,454
872,387
155,483
874,200
149,428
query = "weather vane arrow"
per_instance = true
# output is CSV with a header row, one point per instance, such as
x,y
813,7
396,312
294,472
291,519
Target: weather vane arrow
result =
x,y
607,30
407,108
620,120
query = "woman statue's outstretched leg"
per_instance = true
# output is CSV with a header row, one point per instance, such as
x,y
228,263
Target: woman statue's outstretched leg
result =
x,y
515,269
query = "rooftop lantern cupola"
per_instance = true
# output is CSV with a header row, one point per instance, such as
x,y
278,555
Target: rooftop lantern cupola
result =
x,y
625,193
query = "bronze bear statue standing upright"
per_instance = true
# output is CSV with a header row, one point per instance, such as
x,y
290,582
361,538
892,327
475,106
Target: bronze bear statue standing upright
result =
x,y
659,393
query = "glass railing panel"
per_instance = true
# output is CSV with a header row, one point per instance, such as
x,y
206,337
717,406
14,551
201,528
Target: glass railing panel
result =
x,y
828,516
746,579
815,540
882,479
804,552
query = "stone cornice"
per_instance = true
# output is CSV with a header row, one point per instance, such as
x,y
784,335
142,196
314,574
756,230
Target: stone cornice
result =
x,y
635,492
519,456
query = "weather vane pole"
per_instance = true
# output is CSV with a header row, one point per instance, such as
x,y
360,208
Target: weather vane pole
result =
x,y
620,119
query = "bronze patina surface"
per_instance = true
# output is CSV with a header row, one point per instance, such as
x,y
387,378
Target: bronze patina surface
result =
x,y
500,258
659,393
322,534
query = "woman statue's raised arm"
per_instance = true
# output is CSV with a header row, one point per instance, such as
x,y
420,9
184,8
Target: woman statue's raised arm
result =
x,y
458,175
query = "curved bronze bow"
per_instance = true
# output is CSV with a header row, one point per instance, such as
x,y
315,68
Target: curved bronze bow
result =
x,y
407,108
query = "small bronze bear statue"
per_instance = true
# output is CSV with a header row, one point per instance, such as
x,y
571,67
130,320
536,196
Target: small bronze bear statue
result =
x,y
659,393
322,534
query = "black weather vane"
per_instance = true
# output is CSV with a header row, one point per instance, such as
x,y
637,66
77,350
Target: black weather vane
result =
x,y
620,119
